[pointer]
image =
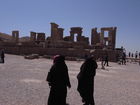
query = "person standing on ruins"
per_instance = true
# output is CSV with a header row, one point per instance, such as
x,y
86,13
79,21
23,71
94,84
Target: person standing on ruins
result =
x,y
2,55
58,80
86,81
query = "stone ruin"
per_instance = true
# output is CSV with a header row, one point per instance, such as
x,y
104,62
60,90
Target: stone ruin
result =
x,y
57,40
99,40
74,45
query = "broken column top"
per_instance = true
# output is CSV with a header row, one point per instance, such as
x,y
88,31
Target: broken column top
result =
x,y
32,32
76,28
108,28
94,28
61,28
54,24
15,30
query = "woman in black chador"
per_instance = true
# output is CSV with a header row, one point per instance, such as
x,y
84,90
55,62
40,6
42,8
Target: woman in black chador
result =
x,y
86,81
58,80
2,55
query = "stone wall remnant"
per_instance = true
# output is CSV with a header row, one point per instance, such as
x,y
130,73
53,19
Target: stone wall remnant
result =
x,y
56,33
41,37
75,30
33,36
99,39
15,35
79,37
74,44
95,37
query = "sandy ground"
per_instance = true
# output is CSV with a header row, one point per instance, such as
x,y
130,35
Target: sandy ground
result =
x,y
22,82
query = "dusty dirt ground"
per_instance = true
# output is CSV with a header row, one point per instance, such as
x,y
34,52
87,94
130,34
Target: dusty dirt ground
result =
x,y
22,82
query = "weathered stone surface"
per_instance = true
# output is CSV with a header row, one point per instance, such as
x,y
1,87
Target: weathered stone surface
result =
x,y
41,37
100,39
57,44
15,35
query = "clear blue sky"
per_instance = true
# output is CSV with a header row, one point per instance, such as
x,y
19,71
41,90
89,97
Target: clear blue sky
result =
x,y
36,15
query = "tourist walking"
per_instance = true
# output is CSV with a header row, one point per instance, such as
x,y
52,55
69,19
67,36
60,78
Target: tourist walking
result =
x,y
2,56
132,55
123,58
102,62
129,54
136,55
86,81
139,58
58,80
106,60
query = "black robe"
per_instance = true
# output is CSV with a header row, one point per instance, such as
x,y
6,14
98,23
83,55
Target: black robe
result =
x,y
58,79
2,55
86,81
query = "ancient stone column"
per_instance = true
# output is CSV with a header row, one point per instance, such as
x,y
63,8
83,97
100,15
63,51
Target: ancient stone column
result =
x,y
41,37
32,36
54,31
72,36
60,32
15,35
93,36
102,37
114,38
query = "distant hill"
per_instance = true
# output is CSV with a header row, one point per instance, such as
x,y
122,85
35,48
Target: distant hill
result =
x,y
24,39
5,37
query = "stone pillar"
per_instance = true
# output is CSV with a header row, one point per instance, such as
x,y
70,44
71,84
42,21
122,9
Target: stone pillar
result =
x,y
114,37
15,35
80,33
110,39
54,31
72,36
60,32
41,37
33,36
93,36
102,37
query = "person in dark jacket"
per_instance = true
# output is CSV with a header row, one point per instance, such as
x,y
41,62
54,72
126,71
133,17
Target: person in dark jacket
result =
x,y
86,81
2,55
58,80
106,60
123,58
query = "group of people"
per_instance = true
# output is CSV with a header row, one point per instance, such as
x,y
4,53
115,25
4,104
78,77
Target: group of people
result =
x,y
58,80
121,58
2,55
136,55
